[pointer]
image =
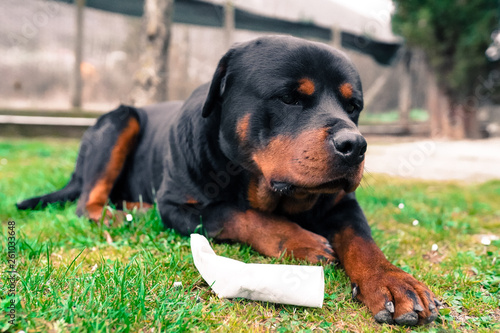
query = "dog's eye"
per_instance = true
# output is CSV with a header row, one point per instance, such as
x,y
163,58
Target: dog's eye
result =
x,y
351,107
289,99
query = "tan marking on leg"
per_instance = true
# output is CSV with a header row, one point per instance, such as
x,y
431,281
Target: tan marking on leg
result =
x,y
272,236
139,205
99,194
377,279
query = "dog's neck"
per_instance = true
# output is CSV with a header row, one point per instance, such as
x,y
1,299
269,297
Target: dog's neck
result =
x,y
263,198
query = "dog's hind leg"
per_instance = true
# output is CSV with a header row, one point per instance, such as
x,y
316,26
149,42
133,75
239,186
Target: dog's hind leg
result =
x,y
111,141
103,151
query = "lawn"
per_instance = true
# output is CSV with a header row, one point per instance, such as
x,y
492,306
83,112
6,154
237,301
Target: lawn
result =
x,y
75,276
392,116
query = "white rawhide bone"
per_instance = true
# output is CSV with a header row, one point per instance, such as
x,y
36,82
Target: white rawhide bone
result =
x,y
285,284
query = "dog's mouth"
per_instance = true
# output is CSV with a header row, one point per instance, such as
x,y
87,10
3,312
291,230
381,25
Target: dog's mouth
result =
x,y
347,181
333,186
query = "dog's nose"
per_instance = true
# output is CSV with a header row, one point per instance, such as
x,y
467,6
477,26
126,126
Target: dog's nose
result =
x,y
351,146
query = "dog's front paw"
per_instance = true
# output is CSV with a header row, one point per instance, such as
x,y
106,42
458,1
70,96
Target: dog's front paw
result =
x,y
308,246
394,296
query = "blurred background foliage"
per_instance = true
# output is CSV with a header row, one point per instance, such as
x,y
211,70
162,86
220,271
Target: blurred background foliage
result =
x,y
454,35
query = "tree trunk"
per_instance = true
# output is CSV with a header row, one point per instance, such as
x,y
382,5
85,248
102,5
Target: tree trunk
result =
x,y
405,91
471,122
455,119
150,82
435,104
449,119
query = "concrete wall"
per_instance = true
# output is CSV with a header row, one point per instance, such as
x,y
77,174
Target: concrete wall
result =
x,y
37,58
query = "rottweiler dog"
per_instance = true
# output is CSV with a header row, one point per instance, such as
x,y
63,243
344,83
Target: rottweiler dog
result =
x,y
267,154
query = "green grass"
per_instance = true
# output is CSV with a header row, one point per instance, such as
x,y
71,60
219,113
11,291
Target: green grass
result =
x,y
366,118
72,279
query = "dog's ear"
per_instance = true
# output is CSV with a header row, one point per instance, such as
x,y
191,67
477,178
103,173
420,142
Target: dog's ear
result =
x,y
217,86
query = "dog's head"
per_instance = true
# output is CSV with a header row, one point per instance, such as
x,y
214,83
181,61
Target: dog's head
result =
x,y
288,111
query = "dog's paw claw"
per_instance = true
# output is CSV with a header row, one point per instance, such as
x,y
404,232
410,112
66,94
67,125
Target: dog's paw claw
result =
x,y
418,307
384,316
321,258
432,317
390,307
410,319
329,251
355,290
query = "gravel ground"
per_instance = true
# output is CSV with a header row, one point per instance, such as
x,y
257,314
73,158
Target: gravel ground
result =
x,y
467,160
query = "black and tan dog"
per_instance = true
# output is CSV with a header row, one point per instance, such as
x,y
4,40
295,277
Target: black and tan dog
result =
x,y
267,154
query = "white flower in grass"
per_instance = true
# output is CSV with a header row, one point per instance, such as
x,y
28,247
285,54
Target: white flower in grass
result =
x,y
485,240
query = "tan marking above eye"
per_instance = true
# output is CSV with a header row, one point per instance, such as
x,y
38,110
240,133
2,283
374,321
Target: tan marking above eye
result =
x,y
346,90
306,86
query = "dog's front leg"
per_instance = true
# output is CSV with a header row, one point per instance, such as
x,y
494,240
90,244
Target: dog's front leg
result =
x,y
391,294
275,236
268,234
